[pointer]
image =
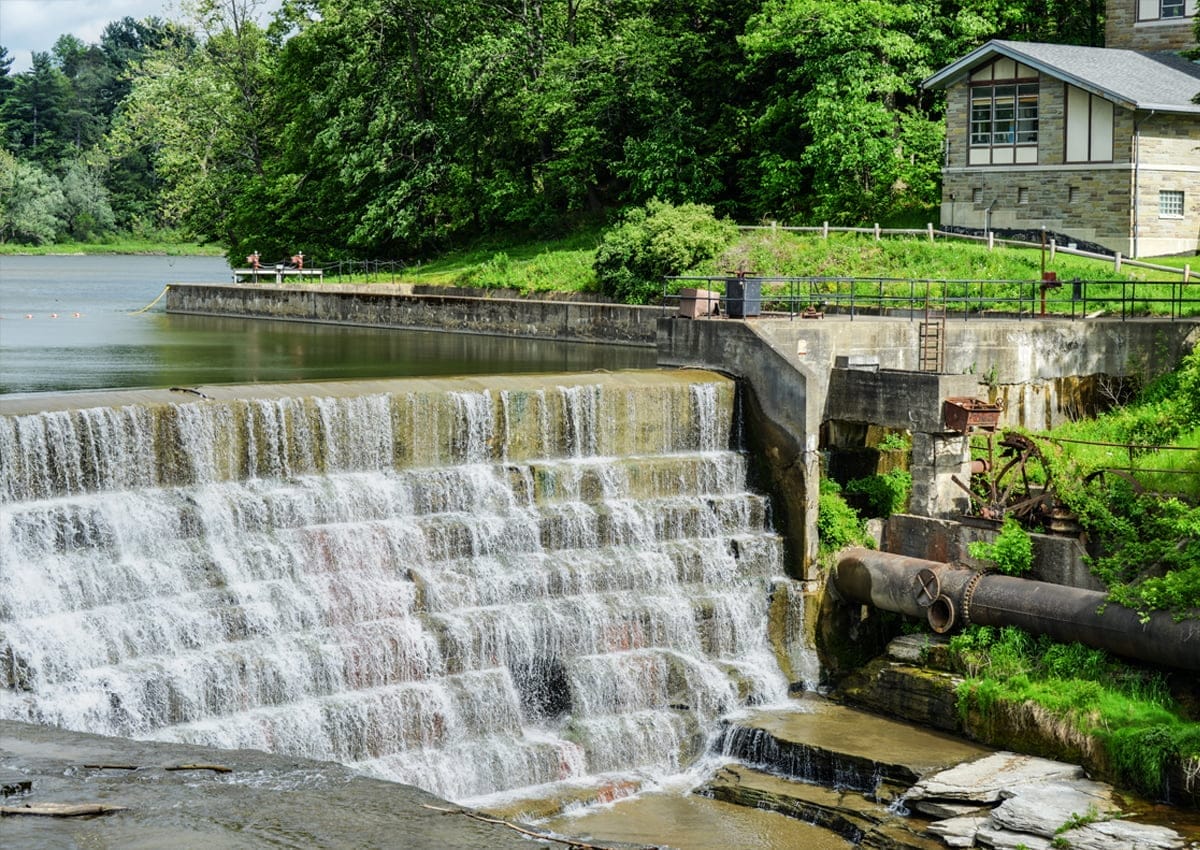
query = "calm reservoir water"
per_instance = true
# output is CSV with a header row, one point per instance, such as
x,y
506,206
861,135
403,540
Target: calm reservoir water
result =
x,y
67,323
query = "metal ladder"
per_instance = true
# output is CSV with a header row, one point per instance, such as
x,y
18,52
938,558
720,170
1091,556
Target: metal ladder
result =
x,y
931,337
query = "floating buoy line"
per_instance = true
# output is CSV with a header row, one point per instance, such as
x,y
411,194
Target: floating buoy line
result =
x,y
75,315
152,303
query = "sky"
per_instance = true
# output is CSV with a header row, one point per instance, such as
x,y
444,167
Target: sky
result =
x,y
29,25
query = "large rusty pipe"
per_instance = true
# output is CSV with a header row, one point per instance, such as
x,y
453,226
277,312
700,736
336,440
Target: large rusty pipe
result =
x,y
1071,614
901,584
893,584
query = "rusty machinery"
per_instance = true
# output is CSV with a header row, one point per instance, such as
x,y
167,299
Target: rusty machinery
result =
x,y
1001,484
1001,487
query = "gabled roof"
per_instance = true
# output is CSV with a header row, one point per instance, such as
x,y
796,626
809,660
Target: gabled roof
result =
x,y
1165,82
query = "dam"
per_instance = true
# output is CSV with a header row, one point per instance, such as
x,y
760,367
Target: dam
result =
x,y
471,586
564,588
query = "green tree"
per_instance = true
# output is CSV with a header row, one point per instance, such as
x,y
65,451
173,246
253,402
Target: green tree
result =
x,y
87,208
35,112
31,202
197,112
6,87
843,97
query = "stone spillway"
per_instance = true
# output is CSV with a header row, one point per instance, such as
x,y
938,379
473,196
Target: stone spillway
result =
x,y
472,586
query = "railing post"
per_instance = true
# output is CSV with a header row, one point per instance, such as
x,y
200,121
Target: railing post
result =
x,y
991,240
1053,249
1117,262
929,229
876,231
825,230
1187,272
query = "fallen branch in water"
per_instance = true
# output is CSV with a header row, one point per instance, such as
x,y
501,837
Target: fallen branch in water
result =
x,y
570,842
215,768
61,810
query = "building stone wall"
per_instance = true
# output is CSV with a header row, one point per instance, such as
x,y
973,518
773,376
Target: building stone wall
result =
x,y
1123,30
1090,201
1086,200
1169,160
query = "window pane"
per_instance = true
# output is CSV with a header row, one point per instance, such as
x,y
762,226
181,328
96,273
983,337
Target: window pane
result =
x,y
981,121
1027,115
1170,203
1005,111
1172,8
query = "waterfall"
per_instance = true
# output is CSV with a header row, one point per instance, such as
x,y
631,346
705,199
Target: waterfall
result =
x,y
468,588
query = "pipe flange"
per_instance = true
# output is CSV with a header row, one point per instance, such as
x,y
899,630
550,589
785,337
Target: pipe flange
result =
x,y
968,594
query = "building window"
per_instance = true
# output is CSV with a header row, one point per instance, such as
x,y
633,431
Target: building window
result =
x,y
977,196
1156,10
1022,195
1005,124
1170,204
1004,115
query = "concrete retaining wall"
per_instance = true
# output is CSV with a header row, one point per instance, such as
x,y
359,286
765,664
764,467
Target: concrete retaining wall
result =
x,y
1056,559
391,306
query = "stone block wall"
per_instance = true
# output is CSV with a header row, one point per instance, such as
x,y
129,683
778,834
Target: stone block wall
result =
x,y
1123,30
1087,202
1170,154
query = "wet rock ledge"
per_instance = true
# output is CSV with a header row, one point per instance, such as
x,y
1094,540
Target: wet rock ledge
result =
x,y
881,783
263,800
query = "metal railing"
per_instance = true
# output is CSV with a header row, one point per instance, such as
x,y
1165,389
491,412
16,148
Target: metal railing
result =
x,y
913,298
347,270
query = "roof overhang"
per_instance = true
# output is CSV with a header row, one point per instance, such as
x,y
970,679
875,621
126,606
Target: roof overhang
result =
x,y
956,71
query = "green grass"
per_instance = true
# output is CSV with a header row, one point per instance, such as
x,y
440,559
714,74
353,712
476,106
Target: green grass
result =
x,y
565,264
1129,711
167,244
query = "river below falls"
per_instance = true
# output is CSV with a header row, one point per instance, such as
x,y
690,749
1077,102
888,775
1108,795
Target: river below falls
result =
x,y
268,800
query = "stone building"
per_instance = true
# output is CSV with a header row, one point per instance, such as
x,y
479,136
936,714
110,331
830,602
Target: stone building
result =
x,y
1099,143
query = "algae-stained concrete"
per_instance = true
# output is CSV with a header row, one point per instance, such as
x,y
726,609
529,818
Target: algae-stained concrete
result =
x,y
1021,360
1036,367
398,306
851,815
19,404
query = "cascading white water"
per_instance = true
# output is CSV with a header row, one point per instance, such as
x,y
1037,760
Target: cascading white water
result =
x,y
470,591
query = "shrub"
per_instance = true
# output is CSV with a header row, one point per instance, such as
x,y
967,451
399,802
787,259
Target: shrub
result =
x,y
1011,552
655,241
838,524
882,495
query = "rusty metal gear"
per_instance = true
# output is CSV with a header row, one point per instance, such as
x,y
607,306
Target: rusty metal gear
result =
x,y
1002,488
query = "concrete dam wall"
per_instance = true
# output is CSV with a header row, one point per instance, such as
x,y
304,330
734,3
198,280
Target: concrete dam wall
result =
x,y
398,306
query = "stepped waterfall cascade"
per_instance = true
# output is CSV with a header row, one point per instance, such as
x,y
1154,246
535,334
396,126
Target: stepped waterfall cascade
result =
x,y
473,586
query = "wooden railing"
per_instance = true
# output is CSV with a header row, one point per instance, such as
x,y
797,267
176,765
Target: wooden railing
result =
x,y
931,233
